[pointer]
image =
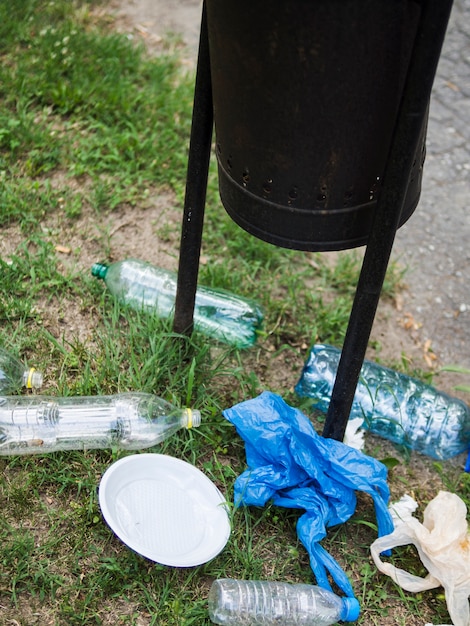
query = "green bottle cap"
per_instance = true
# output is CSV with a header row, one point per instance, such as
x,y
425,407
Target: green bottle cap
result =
x,y
99,270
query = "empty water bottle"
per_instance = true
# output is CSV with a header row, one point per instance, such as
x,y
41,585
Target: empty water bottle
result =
x,y
217,313
268,603
129,421
392,405
14,374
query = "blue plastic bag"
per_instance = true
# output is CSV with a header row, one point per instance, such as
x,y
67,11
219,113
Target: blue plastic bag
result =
x,y
290,464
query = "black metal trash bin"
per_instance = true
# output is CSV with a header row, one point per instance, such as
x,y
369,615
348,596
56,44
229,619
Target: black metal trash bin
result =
x,y
306,94
320,108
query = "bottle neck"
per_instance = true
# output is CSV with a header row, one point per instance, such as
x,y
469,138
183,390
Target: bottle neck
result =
x,y
32,379
191,418
99,270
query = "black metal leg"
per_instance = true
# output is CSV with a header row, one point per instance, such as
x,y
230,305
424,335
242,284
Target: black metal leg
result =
x,y
415,100
196,186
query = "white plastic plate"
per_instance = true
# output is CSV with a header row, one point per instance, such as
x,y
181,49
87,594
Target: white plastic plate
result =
x,y
165,509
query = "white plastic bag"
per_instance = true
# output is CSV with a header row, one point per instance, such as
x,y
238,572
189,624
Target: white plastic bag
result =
x,y
443,544
354,435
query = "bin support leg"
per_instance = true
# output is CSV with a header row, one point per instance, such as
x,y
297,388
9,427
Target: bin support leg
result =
x,y
417,92
196,186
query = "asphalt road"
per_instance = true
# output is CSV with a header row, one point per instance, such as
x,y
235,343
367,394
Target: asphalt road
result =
x,y
434,243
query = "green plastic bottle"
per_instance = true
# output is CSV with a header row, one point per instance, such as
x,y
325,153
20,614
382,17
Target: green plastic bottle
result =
x,y
217,313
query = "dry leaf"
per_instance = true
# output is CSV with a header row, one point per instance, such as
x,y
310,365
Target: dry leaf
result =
x,y
428,360
452,86
399,302
63,249
409,322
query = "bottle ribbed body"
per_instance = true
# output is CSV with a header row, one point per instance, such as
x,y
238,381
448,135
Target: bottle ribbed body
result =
x,y
14,375
397,407
268,603
217,313
129,421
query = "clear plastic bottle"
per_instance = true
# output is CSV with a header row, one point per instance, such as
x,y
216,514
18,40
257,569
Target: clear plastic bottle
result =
x,y
397,407
217,313
268,603
14,374
130,421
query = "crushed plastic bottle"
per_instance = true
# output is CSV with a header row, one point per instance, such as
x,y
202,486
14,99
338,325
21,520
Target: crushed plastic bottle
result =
x,y
14,374
129,421
217,313
392,405
267,603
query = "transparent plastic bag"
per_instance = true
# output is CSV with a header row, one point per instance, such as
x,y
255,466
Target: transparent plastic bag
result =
x,y
443,545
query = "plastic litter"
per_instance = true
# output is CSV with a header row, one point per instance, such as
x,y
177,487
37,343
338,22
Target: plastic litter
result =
x,y
392,405
14,374
443,545
268,603
129,421
290,464
217,313
467,463
403,510
165,509
354,434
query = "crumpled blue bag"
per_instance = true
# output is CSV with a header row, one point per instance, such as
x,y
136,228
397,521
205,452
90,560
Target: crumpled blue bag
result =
x,y
290,464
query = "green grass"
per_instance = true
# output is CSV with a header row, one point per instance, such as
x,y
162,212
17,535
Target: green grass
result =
x,y
92,127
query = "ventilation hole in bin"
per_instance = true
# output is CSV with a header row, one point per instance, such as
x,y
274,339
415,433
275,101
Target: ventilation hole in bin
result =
x,y
292,195
246,176
268,186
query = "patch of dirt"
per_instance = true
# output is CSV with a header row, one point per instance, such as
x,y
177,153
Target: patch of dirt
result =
x,y
153,21
149,232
